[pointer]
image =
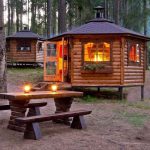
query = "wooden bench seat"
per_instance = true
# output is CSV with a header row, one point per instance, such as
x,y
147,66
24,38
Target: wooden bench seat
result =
x,y
32,127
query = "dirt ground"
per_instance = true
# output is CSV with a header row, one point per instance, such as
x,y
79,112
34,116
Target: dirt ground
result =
x,y
113,125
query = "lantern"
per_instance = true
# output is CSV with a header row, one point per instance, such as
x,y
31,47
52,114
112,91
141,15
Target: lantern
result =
x,y
54,87
27,88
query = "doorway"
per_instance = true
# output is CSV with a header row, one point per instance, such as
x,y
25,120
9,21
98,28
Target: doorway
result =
x,y
55,61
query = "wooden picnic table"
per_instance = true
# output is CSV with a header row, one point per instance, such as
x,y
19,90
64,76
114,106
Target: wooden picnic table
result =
x,y
19,100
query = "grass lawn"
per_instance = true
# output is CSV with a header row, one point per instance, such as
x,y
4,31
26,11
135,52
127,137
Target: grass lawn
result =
x,y
21,75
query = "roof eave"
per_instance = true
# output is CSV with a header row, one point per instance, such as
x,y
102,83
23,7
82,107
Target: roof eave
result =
x,y
56,38
24,38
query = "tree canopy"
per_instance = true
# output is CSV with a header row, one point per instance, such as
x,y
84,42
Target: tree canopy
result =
x,y
51,17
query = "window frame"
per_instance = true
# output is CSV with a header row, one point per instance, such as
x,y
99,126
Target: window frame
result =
x,y
22,43
129,44
49,50
96,42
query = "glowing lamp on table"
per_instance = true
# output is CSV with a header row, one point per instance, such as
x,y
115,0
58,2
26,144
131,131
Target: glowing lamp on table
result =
x,y
54,87
27,88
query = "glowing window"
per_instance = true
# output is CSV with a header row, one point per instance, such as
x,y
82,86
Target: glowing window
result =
x,y
99,52
134,53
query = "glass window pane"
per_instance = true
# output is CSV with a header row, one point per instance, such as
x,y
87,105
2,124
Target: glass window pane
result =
x,y
106,51
51,49
134,53
51,68
98,52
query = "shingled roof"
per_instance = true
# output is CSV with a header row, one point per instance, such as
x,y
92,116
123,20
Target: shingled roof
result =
x,y
27,34
100,26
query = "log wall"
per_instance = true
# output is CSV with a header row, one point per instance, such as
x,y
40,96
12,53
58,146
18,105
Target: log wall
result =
x,y
40,56
18,56
134,74
101,79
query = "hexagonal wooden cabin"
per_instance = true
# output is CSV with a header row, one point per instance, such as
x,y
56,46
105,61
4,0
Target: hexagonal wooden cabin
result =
x,y
97,54
24,47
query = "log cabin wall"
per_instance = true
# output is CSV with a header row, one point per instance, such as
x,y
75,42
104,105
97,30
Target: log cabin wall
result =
x,y
134,74
9,50
39,54
19,56
101,79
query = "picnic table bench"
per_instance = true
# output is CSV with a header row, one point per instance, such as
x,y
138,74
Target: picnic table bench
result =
x,y
19,102
33,131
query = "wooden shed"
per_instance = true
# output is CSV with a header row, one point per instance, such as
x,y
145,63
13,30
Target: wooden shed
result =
x,y
97,54
24,47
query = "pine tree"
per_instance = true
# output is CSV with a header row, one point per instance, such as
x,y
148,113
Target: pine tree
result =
x,y
3,86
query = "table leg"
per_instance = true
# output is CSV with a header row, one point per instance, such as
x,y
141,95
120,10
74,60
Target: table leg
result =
x,y
63,105
17,110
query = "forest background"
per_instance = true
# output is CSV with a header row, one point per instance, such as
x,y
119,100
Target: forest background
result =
x,y
52,17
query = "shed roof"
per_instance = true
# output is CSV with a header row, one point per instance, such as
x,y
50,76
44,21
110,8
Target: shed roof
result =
x,y
27,34
100,26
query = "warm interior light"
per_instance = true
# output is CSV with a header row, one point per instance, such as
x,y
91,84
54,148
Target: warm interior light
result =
x,y
27,88
54,87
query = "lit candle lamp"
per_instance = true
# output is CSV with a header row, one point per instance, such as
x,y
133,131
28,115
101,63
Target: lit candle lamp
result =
x,y
54,88
27,88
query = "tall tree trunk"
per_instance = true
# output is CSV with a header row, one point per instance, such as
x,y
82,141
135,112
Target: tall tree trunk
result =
x,y
9,13
33,17
54,10
17,15
145,16
48,18
3,85
12,17
61,16
28,9
116,11
70,14
106,8
145,30
21,13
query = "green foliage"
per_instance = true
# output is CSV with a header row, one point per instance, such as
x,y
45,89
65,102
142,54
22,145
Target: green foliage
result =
x,y
89,99
135,119
93,67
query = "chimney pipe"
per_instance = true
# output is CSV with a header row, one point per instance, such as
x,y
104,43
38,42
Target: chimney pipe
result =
x,y
100,12
25,28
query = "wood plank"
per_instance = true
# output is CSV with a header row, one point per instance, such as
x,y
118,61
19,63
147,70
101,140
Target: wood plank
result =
x,y
97,78
133,81
122,61
133,77
42,118
97,82
95,85
39,94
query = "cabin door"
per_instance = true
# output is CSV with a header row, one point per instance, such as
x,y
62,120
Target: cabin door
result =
x,y
51,62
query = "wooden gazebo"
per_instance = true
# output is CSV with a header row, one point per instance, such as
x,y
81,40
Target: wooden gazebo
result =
x,y
24,47
97,54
